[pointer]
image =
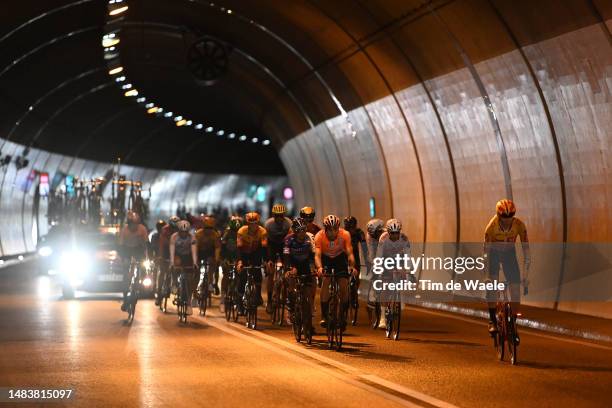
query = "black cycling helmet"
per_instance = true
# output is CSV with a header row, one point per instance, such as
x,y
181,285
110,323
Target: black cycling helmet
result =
x,y
159,225
298,225
307,213
350,222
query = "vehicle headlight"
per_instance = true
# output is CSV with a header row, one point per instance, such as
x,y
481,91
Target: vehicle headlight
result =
x,y
45,251
113,255
74,265
147,282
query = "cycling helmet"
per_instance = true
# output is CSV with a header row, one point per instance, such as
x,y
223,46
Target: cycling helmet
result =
x,y
279,209
331,221
183,226
374,226
350,222
173,221
208,221
307,213
133,218
298,225
160,224
505,208
235,223
252,218
393,225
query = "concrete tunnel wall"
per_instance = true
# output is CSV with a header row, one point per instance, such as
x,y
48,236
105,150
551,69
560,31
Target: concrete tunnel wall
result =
x,y
169,189
437,149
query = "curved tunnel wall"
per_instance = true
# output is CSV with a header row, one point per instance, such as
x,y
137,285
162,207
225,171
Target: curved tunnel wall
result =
x,y
169,189
437,147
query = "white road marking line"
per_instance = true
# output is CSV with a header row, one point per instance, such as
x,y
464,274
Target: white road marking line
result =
x,y
348,373
524,330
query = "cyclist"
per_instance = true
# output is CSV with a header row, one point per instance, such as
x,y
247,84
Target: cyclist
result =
x,y
164,253
299,254
133,243
499,248
392,242
375,228
229,250
209,249
252,245
333,249
154,239
358,239
184,250
277,227
308,215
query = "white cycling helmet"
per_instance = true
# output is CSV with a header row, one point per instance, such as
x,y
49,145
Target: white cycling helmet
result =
x,y
183,226
393,225
374,225
331,221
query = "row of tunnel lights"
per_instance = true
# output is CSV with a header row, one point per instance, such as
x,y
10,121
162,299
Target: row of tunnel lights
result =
x,y
110,42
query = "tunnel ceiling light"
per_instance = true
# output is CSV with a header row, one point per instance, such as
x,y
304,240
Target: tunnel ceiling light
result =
x,y
243,138
181,122
231,135
266,142
118,11
229,11
141,99
160,110
120,79
209,129
167,114
153,109
131,92
220,133
115,71
189,123
199,126
110,42
254,140
149,105
178,118
126,86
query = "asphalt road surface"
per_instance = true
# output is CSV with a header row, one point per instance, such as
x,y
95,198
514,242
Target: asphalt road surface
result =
x,y
441,360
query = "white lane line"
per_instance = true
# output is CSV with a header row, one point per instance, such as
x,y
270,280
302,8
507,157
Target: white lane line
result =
x,y
348,373
525,330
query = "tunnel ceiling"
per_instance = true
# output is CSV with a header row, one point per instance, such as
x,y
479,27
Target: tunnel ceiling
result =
x,y
290,65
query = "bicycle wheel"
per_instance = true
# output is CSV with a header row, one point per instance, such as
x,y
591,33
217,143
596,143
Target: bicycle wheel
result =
x,y
501,336
389,320
297,321
374,311
341,323
397,315
511,340
332,314
227,304
203,302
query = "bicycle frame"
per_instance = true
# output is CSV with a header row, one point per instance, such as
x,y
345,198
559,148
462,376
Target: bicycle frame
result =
x,y
507,330
335,318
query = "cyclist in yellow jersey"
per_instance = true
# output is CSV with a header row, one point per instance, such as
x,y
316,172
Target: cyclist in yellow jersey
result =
x,y
499,248
252,246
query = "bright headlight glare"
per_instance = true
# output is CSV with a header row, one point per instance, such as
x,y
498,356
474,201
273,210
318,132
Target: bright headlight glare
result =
x,y
146,264
74,264
45,251
147,282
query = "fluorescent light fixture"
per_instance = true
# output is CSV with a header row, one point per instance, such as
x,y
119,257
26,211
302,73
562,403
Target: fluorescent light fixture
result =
x,y
126,86
189,123
141,99
115,71
179,117
131,92
168,114
149,105
231,135
181,122
209,129
199,126
220,132
243,138
110,42
254,140
120,79
266,142
154,109
118,11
